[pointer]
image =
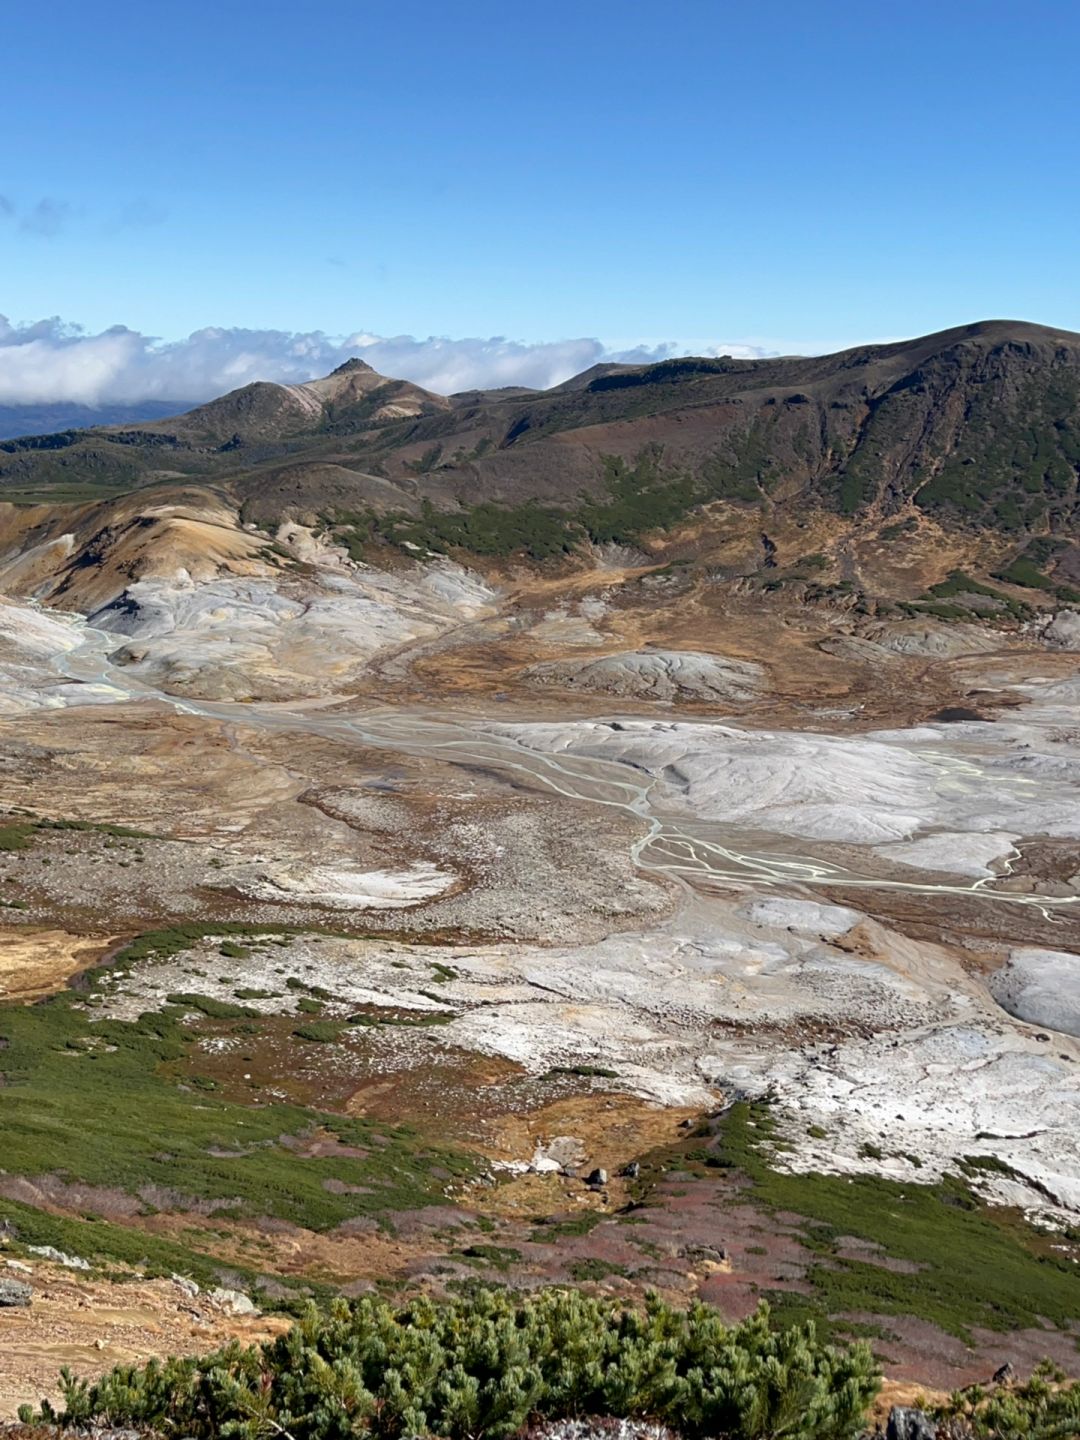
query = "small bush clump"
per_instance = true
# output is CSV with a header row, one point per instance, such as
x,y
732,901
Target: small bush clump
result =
x,y
319,1032
213,1009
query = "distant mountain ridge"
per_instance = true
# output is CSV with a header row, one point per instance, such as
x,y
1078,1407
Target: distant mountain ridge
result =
x,y
352,397
978,425
46,419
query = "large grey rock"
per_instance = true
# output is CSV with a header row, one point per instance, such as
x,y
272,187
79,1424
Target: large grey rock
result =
x,y
906,1423
1063,631
14,1293
234,1301
1041,987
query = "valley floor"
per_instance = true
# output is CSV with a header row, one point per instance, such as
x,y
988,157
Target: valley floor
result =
x,y
714,969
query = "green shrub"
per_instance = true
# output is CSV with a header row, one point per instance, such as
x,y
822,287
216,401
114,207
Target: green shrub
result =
x,y
481,1366
163,944
320,1032
499,1256
427,462
587,1072
213,1009
1043,1408
593,1268
568,1227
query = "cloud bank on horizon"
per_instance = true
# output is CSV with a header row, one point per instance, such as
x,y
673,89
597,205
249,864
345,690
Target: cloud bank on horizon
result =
x,y
52,361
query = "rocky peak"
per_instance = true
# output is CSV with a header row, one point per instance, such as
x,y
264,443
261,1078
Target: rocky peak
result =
x,y
353,365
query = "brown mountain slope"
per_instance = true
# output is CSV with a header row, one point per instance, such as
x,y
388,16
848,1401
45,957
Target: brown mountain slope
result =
x,y
980,422
978,425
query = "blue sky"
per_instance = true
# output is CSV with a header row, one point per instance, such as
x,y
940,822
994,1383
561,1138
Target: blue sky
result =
x,y
789,175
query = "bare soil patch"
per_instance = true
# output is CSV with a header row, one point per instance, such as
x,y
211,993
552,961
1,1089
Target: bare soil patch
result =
x,y
37,961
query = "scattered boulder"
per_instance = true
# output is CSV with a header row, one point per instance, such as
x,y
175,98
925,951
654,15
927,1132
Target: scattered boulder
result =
x,y
597,1177
14,1294
706,1254
563,1154
234,1301
189,1287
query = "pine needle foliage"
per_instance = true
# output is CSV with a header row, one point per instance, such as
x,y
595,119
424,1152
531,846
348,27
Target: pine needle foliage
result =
x,y
1044,1407
479,1369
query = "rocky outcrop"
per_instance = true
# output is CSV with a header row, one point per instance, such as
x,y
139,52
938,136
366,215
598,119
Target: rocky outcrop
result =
x,y
14,1294
1063,630
668,675
1041,987
906,1423
931,638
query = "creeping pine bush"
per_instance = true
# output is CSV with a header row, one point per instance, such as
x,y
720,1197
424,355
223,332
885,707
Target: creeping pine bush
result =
x,y
1042,1408
482,1367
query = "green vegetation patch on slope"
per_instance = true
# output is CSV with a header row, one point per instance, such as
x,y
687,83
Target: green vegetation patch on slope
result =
x,y
163,944
17,830
482,1366
126,1246
485,529
957,583
1029,568
965,1263
111,1103
1019,458
636,499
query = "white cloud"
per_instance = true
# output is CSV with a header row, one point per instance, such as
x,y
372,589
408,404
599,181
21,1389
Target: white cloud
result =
x,y
51,361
